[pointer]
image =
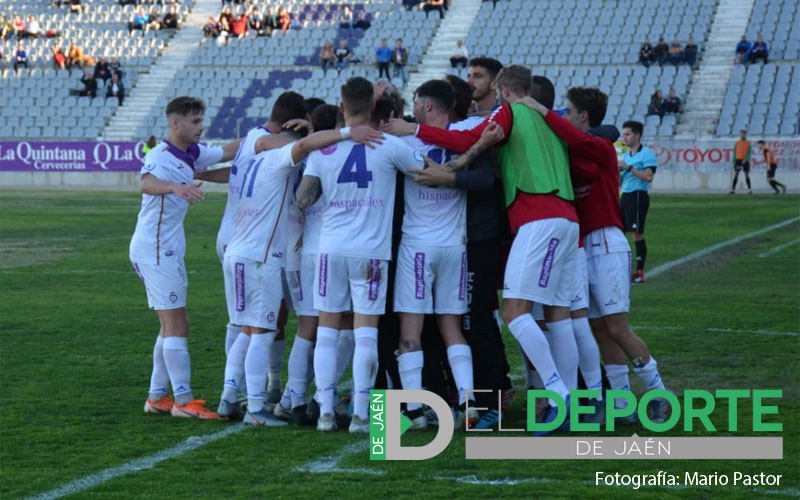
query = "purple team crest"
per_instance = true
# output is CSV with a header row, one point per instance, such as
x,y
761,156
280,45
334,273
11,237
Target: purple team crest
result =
x,y
173,297
271,317
329,150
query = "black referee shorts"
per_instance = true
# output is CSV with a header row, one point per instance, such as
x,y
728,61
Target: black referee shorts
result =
x,y
742,165
634,206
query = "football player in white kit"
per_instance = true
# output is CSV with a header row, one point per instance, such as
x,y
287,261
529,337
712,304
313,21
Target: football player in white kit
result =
x,y
358,188
158,247
432,265
253,258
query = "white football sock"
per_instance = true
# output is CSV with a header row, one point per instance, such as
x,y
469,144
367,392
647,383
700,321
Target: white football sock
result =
x,y
365,368
234,368
536,348
649,375
231,334
176,357
255,369
564,350
588,355
159,379
344,353
618,380
275,364
460,358
298,372
409,364
325,367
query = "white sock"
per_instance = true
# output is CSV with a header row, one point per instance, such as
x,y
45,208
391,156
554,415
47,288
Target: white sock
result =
x,y
588,355
176,357
618,380
234,368
298,372
365,368
344,352
649,375
460,358
409,364
231,333
275,364
564,350
159,379
535,346
255,369
325,367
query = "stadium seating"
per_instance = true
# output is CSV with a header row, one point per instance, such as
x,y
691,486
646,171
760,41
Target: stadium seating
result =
x,y
779,22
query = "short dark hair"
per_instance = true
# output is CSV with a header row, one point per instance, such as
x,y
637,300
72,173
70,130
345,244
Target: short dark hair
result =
x,y
636,127
186,105
493,66
324,117
357,95
289,106
389,105
761,142
542,90
313,103
439,91
462,93
516,78
591,100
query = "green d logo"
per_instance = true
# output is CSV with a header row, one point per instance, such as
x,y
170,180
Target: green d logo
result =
x,y
387,424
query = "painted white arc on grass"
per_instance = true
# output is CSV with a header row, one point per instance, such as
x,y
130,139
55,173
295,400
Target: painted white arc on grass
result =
x,y
778,248
189,444
719,246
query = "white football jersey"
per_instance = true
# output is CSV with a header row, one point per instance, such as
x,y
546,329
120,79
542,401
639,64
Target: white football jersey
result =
x,y
260,222
434,215
159,228
246,152
358,187
303,227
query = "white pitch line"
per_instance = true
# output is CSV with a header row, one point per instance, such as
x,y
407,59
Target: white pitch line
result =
x,y
778,248
716,330
719,246
331,463
88,482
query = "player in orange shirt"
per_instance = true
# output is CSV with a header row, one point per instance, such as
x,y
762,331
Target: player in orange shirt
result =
x,y
741,161
772,165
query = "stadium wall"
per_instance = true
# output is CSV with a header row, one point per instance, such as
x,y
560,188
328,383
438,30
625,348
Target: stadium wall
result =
x,y
684,166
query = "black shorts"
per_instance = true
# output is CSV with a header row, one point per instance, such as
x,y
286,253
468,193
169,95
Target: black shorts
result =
x,y
742,164
634,206
771,171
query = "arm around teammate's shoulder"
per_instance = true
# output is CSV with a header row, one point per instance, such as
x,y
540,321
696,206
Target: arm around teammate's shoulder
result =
x,y
152,185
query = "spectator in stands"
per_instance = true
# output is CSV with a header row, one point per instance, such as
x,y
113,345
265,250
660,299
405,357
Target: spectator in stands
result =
x,y
154,19
226,15
383,56
676,52
255,22
59,59
434,5
742,51
20,58
171,20
6,28
661,51
239,26
270,21
460,56
646,54
284,20
211,28
89,84
690,52
18,26
363,23
101,71
760,50
343,55
410,4
346,21
32,28
76,6
399,60
326,57
123,3
75,56
139,22
114,66
656,106
115,88
672,104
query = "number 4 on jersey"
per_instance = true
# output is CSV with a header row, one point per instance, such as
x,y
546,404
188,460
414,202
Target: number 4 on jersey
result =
x,y
355,168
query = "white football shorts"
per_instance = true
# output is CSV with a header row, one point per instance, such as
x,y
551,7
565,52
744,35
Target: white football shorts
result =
x,y
301,286
165,284
609,283
342,284
431,280
253,291
581,282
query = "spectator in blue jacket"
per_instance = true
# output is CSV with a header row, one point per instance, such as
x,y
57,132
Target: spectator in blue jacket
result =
x,y
383,56
759,50
20,58
742,51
